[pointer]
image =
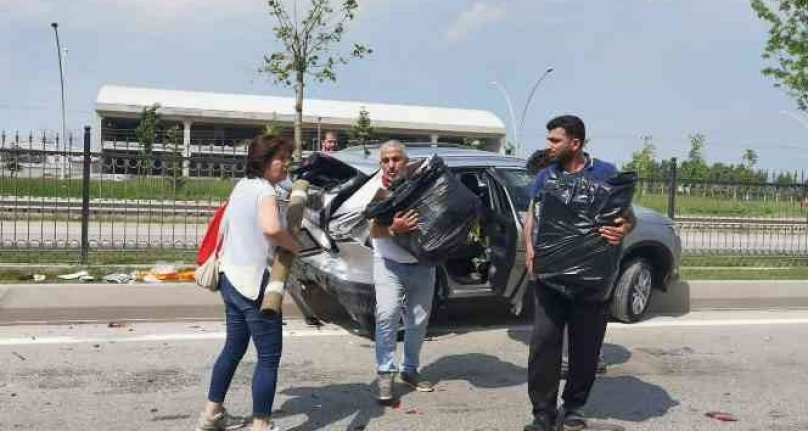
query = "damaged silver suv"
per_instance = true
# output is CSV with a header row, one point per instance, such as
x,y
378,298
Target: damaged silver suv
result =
x,y
333,278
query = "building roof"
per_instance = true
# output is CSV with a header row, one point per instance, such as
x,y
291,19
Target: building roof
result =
x,y
244,108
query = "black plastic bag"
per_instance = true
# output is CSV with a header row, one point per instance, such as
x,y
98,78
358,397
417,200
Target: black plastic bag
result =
x,y
571,256
326,172
446,210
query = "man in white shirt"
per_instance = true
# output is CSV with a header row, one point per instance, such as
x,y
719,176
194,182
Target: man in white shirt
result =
x,y
404,287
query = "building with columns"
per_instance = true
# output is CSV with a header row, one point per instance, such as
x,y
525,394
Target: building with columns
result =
x,y
215,125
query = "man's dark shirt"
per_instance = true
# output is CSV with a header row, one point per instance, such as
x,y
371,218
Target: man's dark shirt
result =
x,y
595,169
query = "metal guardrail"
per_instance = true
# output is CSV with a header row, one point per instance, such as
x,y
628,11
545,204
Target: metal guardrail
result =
x,y
110,207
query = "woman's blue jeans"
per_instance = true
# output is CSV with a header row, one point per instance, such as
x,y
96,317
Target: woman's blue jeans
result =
x,y
244,320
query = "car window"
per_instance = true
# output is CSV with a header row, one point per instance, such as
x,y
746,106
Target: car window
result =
x,y
518,182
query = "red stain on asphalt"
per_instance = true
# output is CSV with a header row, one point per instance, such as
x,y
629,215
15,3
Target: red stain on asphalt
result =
x,y
721,416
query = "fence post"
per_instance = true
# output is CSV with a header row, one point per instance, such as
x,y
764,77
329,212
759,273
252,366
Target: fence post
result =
x,y
85,199
672,190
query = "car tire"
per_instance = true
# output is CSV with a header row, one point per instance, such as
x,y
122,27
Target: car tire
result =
x,y
632,292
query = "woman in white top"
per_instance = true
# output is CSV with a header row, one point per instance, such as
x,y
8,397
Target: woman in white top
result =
x,y
252,228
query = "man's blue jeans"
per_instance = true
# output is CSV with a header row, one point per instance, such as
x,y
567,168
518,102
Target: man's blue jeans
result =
x,y
403,292
245,321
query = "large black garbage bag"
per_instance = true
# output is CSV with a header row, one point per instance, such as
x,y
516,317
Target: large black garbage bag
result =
x,y
324,171
446,210
571,257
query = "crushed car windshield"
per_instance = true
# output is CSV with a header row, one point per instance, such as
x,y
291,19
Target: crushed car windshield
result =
x,y
518,182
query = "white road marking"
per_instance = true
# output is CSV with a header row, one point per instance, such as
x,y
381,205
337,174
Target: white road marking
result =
x,y
31,338
669,322
674,322
219,335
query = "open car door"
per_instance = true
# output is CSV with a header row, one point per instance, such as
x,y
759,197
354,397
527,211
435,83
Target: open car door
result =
x,y
503,235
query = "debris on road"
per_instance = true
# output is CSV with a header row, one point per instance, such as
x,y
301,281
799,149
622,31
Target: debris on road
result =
x,y
119,278
165,272
21,357
74,276
116,325
721,416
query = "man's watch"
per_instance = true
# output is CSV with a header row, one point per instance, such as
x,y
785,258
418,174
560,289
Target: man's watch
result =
x,y
391,231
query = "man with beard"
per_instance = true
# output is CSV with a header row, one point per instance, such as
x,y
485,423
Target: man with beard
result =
x,y
404,287
585,319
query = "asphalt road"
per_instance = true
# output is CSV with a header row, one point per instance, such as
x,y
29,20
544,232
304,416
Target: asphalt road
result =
x,y
109,234
664,374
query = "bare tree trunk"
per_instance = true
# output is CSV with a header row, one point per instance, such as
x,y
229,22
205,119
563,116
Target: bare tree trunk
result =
x,y
297,156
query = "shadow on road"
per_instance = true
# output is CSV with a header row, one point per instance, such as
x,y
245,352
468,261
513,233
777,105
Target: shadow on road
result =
x,y
627,398
326,405
479,369
622,397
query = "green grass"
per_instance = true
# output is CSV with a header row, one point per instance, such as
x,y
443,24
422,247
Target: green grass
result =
x,y
147,187
794,273
161,188
743,261
122,257
706,206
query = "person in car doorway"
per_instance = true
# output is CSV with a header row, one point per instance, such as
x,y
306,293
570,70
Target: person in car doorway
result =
x,y
404,287
584,319
329,142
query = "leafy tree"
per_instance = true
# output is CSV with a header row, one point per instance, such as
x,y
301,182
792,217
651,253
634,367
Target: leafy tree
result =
x,y
787,45
362,129
750,158
149,129
786,178
13,166
644,161
307,49
472,143
695,167
273,129
173,157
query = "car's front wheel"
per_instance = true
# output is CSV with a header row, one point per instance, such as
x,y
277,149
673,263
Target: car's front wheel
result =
x,y
632,292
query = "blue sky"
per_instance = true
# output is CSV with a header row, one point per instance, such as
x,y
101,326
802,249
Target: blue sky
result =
x,y
667,68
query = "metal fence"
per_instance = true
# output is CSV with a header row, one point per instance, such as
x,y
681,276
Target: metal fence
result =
x,y
740,218
71,200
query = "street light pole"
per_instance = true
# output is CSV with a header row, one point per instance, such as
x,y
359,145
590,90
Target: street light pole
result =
x,y
516,134
533,87
510,107
62,83
802,120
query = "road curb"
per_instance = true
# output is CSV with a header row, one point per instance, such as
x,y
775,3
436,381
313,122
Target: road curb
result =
x,y
685,296
63,303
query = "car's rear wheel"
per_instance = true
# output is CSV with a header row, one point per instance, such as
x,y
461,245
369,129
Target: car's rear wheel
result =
x,y
632,292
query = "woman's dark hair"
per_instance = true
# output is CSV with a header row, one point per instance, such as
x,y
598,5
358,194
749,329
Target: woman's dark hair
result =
x,y
262,149
539,160
572,125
